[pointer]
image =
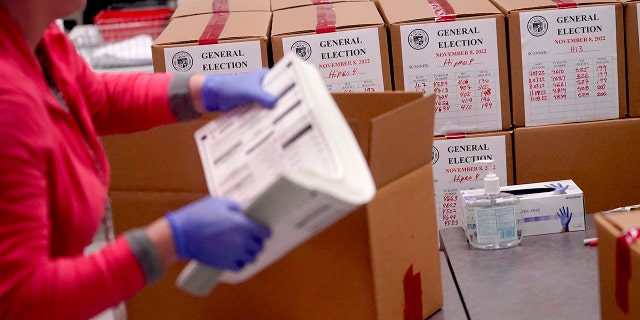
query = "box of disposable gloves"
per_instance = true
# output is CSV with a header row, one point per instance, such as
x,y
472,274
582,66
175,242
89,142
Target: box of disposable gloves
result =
x,y
547,207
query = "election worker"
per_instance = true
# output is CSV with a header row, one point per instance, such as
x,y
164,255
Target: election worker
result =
x,y
54,174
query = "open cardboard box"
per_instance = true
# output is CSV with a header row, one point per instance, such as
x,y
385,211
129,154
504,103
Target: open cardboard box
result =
x,y
378,262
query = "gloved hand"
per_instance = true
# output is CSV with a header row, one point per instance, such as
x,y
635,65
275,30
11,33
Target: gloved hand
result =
x,y
215,232
565,217
225,92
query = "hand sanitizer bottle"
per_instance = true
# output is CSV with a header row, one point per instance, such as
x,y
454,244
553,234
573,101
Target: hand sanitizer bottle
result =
x,y
494,219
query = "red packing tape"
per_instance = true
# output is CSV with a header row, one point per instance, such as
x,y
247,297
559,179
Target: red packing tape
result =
x,y
565,4
455,135
623,267
219,6
212,31
443,10
412,295
326,18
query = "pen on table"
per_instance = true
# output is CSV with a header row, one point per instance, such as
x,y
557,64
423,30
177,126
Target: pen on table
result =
x,y
591,242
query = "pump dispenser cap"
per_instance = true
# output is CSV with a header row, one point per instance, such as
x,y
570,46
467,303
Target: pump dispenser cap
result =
x,y
491,180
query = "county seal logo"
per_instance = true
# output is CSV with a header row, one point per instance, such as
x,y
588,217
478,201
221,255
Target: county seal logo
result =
x,y
537,26
182,61
302,49
435,155
418,39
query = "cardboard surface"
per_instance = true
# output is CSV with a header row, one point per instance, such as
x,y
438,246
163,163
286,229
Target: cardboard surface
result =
x,y
512,10
633,54
610,227
353,270
397,11
515,5
598,156
192,7
185,32
304,19
286,4
347,66
405,13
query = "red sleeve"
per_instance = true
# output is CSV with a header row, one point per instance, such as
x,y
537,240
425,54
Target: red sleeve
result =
x,y
118,102
34,285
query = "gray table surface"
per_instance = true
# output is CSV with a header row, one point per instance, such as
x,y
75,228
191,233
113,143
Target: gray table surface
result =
x,y
550,276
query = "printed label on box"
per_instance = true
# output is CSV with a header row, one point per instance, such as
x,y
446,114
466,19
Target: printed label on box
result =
x,y
454,170
570,65
349,61
220,58
458,61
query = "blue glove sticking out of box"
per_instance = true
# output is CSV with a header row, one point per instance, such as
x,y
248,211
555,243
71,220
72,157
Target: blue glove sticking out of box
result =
x,y
226,92
565,217
559,188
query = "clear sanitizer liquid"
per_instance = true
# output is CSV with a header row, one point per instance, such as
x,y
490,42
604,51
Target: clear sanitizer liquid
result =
x,y
494,219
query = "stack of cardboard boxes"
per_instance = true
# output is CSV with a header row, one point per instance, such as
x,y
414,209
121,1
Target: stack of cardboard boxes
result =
x,y
545,89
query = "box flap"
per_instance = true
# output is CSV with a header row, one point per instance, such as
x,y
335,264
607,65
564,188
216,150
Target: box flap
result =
x,y
394,129
304,19
286,4
188,29
516,5
191,7
398,11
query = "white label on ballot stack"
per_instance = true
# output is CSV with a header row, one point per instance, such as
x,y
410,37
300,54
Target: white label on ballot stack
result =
x,y
220,58
296,168
349,61
458,61
454,170
569,65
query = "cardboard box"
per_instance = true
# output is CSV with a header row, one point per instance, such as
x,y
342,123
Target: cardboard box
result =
x,y
220,43
631,20
567,64
542,205
462,61
454,170
193,7
286,4
599,156
347,41
372,264
618,263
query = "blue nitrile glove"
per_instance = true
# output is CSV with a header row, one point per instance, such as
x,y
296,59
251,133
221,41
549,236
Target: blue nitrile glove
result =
x,y
565,217
215,232
225,92
559,188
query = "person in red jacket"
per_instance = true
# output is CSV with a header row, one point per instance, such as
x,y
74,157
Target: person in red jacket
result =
x,y
54,175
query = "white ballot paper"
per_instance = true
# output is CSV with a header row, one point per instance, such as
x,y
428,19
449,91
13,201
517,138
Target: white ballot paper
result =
x,y
296,168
